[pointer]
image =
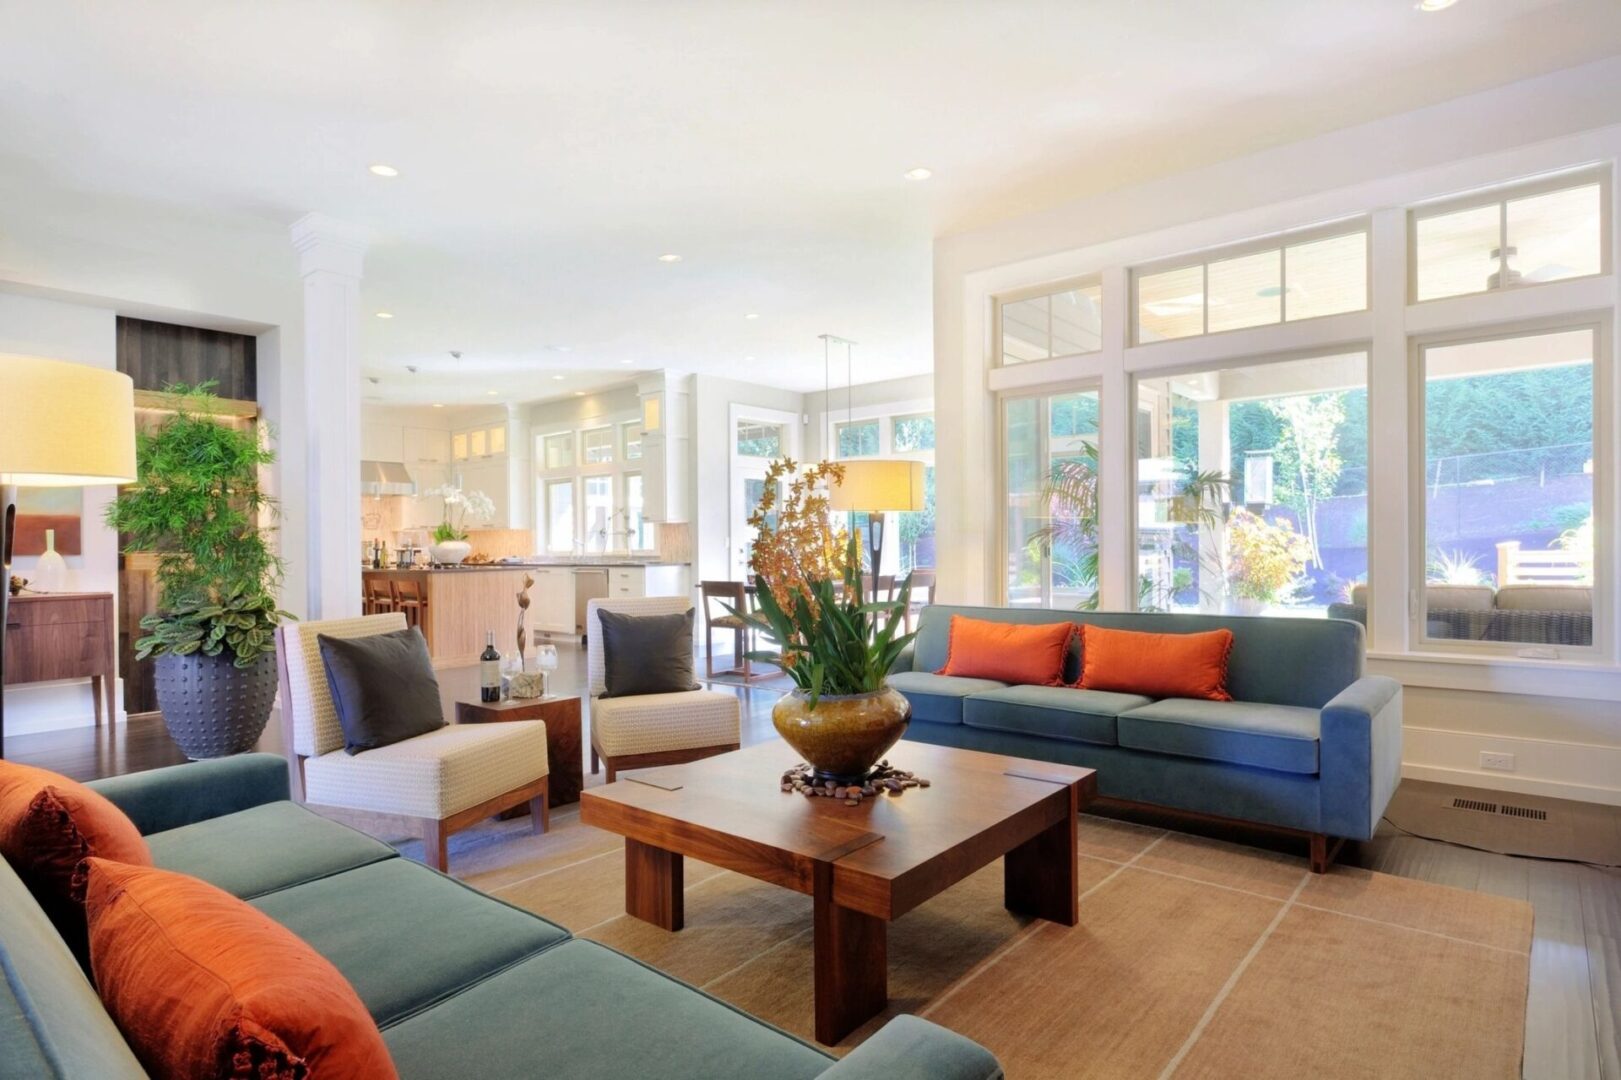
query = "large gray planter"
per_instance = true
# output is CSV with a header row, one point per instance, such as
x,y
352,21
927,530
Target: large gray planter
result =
x,y
212,707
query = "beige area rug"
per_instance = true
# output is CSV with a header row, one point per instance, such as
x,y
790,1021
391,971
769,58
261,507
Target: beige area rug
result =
x,y
1193,958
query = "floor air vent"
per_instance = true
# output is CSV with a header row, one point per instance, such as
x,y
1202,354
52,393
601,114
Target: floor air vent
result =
x,y
1526,812
1474,804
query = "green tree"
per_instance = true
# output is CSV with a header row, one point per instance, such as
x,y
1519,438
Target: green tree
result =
x,y
1310,449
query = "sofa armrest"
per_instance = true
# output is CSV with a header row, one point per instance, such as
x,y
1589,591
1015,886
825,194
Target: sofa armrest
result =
x,y
1361,756
163,799
907,1048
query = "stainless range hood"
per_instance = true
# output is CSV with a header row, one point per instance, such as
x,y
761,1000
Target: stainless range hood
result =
x,y
385,478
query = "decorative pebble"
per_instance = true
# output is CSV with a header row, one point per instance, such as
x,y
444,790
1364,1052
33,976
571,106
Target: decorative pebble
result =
x,y
883,780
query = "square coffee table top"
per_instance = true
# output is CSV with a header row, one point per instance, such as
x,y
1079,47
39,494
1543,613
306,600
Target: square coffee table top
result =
x,y
888,854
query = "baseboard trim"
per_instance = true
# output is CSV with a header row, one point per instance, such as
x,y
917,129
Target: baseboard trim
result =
x,y
1560,770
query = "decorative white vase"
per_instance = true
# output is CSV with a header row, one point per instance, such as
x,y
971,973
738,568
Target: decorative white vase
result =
x,y
51,572
451,552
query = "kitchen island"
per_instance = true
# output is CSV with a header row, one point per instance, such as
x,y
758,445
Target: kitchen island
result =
x,y
466,602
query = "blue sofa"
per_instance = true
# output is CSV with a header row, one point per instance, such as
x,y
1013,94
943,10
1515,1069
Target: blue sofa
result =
x,y
1309,744
462,985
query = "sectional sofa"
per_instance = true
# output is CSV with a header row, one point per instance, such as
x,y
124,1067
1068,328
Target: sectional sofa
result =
x,y
462,985
1309,744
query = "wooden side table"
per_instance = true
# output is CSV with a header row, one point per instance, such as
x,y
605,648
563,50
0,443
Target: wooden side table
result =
x,y
564,752
64,636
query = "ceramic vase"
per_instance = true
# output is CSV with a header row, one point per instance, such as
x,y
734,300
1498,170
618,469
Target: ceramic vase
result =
x,y
51,572
451,552
844,736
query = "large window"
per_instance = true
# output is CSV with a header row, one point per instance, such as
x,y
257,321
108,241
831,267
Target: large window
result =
x,y
1508,487
557,451
757,438
859,438
1050,486
1062,323
560,515
597,446
1321,272
1252,488
908,435
598,504
636,524
631,439
1542,232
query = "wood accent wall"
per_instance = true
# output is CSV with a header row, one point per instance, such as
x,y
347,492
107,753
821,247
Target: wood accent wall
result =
x,y
157,354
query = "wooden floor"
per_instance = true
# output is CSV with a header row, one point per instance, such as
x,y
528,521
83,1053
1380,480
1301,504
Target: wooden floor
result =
x,y
1572,1026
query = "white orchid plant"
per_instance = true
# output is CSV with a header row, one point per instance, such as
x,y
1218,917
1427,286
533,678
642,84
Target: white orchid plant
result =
x,y
460,506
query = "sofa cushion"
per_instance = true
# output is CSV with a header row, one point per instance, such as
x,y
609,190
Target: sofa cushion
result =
x,y
1008,652
203,985
253,852
1191,665
937,699
51,1021
587,1013
1280,737
359,919
1053,712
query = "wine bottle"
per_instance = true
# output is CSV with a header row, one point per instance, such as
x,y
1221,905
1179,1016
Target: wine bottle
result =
x,y
489,671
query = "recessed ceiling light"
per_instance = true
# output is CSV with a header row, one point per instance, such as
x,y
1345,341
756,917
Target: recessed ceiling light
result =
x,y
437,405
385,314
751,315
918,174
579,393
1434,5
559,378
384,170
492,393
627,363
748,358
669,258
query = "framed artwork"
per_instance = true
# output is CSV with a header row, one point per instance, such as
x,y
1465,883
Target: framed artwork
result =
x,y
39,509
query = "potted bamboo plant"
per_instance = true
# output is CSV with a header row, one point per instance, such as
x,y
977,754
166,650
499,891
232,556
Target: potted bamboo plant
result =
x,y
198,504
842,716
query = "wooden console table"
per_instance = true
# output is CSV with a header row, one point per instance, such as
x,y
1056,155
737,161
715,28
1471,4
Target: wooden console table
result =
x,y
53,636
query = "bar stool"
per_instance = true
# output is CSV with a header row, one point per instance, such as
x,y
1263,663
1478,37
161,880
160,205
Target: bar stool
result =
x,y
377,598
410,598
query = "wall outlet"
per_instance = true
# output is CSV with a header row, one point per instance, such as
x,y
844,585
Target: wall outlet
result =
x,y
1501,762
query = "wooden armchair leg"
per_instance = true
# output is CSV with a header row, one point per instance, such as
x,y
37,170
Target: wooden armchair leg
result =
x,y
434,850
596,763
540,810
1324,850
709,654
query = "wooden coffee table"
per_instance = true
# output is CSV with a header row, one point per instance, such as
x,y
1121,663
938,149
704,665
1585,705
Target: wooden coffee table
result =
x,y
864,865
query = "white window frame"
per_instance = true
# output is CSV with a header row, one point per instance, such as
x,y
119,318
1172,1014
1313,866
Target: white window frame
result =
x,y
1043,453
1501,196
1604,464
546,486
1035,292
579,471
1279,242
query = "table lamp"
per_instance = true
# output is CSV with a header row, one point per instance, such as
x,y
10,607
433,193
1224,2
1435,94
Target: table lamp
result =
x,y
66,425
873,486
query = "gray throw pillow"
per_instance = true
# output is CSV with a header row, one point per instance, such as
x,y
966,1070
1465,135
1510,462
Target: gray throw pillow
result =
x,y
646,654
383,687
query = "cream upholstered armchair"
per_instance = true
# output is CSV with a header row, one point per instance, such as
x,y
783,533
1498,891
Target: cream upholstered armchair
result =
x,y
653,729
445,780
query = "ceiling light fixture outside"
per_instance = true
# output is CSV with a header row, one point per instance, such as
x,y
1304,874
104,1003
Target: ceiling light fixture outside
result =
x,y
384,170
669,258
918,174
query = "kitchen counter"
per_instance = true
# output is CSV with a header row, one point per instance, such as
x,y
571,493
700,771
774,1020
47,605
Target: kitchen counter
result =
x,y
466,602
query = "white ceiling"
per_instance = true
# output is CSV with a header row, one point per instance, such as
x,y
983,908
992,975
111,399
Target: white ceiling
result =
x,y
549,152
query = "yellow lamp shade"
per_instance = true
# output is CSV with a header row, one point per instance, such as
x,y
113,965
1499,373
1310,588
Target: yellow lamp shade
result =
x,y
872,486
65,424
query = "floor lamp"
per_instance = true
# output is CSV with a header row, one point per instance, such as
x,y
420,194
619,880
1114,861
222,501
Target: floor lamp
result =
x,y
872,487
63,425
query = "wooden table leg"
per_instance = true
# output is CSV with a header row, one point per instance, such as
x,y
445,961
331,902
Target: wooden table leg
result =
x,y
1040,877
851,961
653,885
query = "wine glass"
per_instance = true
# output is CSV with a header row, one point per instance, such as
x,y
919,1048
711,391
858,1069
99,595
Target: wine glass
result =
x,y
546,657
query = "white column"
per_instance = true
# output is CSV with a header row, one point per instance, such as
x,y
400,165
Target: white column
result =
x,y
520,471
331,254
1215,455
1392,591
1117,453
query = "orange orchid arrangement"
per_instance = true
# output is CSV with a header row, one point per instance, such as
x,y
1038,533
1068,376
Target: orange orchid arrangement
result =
x,y
803,544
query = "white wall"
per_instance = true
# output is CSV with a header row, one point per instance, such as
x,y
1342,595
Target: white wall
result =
x,y
713,399
1563,719
80,335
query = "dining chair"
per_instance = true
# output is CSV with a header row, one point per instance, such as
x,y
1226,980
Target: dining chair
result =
x,y
735,593
923,581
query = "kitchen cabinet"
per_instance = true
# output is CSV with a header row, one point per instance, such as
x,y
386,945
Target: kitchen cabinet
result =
x,y
552,599
625,582
424,511
381,442
484,443
666,446
425,446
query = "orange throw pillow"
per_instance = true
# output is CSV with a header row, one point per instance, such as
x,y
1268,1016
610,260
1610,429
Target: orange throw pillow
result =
x,y
1156,665
205,985
1008,652
49,824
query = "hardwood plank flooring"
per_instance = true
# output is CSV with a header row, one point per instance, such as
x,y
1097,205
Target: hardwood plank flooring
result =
x,y
1571,1012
